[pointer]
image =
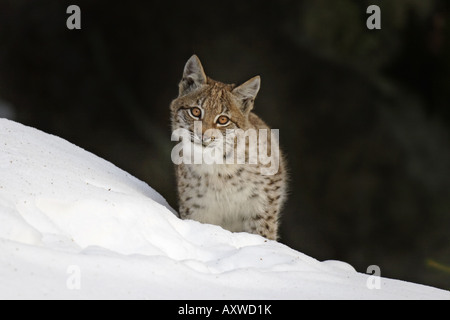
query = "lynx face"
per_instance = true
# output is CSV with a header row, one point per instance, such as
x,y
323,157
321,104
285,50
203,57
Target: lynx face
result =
x,y
217,105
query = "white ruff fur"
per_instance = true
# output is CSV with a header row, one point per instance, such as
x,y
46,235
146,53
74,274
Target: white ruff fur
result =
x,y
232,204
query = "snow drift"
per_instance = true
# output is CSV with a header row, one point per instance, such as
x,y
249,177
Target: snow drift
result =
x,y
74,226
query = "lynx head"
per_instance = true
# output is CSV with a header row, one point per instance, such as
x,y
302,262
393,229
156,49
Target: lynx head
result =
x,y
217,105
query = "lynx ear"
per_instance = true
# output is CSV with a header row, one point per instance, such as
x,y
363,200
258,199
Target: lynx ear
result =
x,y
193,76
247,93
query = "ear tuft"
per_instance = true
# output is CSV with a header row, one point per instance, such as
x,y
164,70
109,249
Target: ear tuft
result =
x,y
247,93
193,76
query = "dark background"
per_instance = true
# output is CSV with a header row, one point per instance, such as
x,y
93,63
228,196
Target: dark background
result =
x,y
363,115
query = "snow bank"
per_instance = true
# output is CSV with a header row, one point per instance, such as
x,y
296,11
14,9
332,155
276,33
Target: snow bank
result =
x,y
74,226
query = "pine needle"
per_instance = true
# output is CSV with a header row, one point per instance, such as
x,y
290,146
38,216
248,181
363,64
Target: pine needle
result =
x,y
436,265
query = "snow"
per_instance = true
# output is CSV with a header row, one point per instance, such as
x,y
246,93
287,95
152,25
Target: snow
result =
x,y
74,226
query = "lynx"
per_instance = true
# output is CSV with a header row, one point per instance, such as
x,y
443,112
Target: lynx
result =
x,y
235,195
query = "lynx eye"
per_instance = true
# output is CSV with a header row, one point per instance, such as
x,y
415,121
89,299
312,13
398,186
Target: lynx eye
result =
x,y
196,112
223,120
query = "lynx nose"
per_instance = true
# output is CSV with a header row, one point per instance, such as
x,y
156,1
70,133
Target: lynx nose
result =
x,y
208,138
